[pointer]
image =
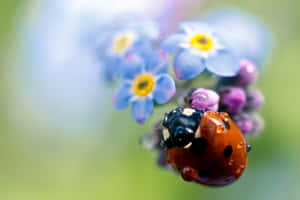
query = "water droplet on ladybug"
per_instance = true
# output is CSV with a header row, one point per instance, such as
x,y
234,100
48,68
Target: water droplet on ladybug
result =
x,y
220,129
239,146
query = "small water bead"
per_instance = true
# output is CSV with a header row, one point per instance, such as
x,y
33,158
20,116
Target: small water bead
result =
x,y
248,148
226,179
189,174
220,129
238,171
239,146
230,163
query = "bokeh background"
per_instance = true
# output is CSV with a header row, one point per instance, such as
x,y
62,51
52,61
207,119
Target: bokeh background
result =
x,y
48,153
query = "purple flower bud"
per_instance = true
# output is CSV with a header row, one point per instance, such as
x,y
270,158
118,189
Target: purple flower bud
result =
x,y
254,99
244,122
249,123
233,99
247,74
205,99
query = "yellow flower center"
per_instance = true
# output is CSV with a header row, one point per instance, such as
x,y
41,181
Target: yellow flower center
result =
x,y
123,42
202,42
143,85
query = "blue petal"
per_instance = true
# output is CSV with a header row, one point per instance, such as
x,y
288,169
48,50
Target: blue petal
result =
x,y
143,26
188,65
194,25
172,43
252,38
122,96
141,48
188,25
142,109
224,63
158,62
132,66
111,69
149,29
164,89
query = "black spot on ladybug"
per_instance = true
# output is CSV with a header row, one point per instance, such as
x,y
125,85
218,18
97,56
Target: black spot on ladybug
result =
x,y
198,146
228,151
226,124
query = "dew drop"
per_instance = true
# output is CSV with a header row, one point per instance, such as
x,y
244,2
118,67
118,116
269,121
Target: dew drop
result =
x,y
239,146
226,179
220,129
238,171
230,163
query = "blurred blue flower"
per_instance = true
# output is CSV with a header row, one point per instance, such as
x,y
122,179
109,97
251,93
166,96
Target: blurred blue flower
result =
x,y
144,80
248,36
59,61
199,47
122,36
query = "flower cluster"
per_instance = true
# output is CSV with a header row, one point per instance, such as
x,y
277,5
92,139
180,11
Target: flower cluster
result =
x,y
240,100
151,69
235,96
134,54
121,37
197,47
143,82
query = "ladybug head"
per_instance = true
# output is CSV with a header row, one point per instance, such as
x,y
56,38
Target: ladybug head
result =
x,y
180,126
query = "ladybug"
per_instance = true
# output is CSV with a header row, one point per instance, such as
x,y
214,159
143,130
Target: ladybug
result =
x,y
204,147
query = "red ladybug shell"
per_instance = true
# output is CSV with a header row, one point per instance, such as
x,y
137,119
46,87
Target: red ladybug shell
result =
x,y
218,155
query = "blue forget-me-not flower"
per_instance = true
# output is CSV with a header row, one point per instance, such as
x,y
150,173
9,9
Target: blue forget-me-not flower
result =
x,y
145,80
198,47
122,36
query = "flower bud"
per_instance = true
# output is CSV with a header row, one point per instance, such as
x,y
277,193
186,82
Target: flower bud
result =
x,y
205,99
247,74
233,99
244,122
249,123
254,99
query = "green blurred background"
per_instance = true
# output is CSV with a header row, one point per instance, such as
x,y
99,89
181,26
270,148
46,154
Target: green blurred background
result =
x,y
39,161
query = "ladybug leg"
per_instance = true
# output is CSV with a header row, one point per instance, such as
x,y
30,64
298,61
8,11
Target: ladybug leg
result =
x,y
189,173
